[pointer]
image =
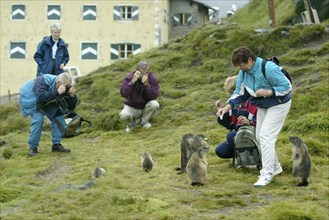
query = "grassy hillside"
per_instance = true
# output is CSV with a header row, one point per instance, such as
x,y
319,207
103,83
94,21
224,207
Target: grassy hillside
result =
x,y
257,15
191,71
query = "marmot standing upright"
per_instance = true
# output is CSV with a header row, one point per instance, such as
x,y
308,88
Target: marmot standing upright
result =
x,y
97,172
301,161
185,144
198,141
147,162
196,168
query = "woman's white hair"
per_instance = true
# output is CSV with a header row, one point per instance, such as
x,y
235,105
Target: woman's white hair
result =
x,y
55,27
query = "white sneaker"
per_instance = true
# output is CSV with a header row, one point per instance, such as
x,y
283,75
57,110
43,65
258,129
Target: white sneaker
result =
x,y
247,166
128,130
263,181
147,125
277,171
130,126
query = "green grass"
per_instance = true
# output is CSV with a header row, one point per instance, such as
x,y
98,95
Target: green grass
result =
x,y
191,71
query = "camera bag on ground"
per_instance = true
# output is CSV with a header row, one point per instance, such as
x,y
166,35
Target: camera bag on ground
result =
x,y
246,149
74,123
72,119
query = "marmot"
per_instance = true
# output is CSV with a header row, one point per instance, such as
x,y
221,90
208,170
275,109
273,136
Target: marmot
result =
x,y
198,141
147,162
97,172
196,168
86,185
185,144
301,161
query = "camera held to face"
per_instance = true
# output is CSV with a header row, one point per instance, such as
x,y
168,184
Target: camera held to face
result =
x,y
68,87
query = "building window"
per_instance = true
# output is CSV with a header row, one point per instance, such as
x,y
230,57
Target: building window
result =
x,y
89,12
123,51
54,12
182,19
125,13
18,12
17,50
89,51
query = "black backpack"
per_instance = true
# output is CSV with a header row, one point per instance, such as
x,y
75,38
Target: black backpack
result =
x,y
277,62
246,148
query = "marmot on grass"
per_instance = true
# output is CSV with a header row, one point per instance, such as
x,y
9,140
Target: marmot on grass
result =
x,y
198,141
97,172
147,162
301,161
196,168
86,185
185,145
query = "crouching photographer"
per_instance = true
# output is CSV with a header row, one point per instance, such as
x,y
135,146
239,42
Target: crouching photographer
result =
x,y
50,96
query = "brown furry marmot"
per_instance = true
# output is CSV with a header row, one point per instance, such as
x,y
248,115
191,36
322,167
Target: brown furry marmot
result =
x,y
199,140
301,161
196,168
185,144
147,162
97,172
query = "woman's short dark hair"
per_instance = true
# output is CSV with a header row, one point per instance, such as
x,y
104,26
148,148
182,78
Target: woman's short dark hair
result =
x,y
241,55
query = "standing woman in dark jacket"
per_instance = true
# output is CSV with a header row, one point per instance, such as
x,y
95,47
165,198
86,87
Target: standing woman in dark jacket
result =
x,y
272,96
52,54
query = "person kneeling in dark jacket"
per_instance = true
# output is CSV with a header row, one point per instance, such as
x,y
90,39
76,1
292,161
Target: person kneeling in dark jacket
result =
x,y
244,114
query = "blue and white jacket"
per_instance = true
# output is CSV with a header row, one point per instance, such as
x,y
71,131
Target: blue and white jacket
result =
x,y
39,91
251,81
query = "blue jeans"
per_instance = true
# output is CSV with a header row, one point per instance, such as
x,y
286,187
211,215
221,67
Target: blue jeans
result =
x,y
226,149
37,123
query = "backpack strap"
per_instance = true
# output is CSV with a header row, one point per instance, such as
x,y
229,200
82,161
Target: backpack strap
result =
x,y
90,125
263,70
263,67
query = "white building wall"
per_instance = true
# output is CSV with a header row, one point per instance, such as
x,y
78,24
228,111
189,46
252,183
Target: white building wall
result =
x,y
150,30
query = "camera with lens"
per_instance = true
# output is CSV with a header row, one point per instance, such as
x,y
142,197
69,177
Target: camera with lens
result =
x,y
68,87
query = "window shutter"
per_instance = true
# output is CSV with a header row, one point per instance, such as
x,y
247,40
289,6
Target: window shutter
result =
x,y
189,19
135,13
54,12
177,19
114,51
17,50
137,49
89,12
116,13
18,12
89,51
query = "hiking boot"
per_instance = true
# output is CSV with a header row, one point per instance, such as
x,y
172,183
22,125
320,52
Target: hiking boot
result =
x,y
146,125
33,152
59,148
263,181
130,126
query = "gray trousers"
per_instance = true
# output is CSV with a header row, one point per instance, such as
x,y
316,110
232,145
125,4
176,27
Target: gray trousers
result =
x,y
129,113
